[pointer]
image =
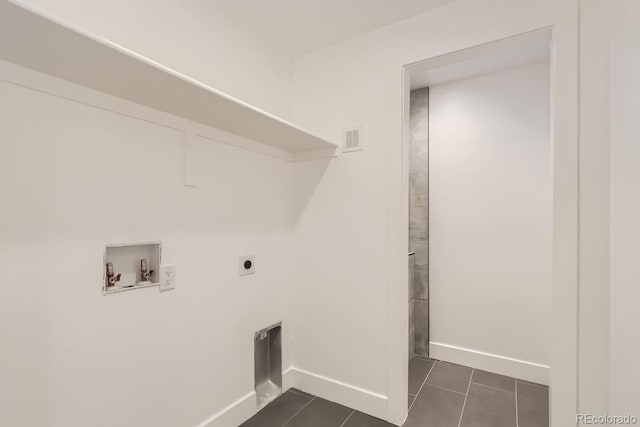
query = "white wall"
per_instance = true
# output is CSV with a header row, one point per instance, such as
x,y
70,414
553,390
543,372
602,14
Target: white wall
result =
x,y
191,37
625,209
354,225
490,222
71,183
75,177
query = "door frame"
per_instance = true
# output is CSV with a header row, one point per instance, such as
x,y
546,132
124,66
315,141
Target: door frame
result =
x,y
562,20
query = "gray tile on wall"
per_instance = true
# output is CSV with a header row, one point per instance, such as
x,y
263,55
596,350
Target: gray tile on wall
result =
x,y
418,216
420,249
418,120
418,123
412,345
412,269
419,96
418,189
421,315
418,223
418,156
412,323
421,326
421,344
420,282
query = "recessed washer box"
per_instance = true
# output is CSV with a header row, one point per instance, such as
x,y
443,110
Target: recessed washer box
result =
x,y
123,264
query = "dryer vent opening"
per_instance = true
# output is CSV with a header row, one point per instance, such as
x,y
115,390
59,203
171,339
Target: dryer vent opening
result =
x,y
268,364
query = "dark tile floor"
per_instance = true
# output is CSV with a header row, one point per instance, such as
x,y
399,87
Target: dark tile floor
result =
x,y
296,408
441,394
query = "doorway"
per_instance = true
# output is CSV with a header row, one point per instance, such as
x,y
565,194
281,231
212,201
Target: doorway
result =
x,y
480,233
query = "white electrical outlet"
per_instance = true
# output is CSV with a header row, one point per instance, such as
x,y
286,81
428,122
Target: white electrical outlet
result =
x,y
247,265
167,277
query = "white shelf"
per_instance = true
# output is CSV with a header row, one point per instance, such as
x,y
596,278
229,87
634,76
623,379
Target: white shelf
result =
x,y
43,43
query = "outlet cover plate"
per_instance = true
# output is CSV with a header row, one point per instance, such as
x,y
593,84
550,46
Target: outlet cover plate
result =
x,y
244,261
167,277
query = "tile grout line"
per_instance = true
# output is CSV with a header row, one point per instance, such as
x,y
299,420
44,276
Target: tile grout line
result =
x,y
413,399
517,420
300,410
353,411
465,397
446,389
422,385
492,387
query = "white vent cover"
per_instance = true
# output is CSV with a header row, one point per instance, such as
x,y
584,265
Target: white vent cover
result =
x,y
352,140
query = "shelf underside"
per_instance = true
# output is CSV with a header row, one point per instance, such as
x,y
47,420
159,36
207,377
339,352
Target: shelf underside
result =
x,y
42,44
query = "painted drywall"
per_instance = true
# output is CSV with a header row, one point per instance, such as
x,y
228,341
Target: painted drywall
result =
x,y
625,209
78,175
191,37
351,225
490,221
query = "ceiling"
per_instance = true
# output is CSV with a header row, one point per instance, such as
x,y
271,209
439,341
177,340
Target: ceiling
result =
x,y
296,27
499,55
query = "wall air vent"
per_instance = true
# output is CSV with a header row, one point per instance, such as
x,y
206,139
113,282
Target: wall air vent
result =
x,y
352,140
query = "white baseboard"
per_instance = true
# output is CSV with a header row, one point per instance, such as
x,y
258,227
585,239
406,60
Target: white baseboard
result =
x,y
521,369
235,414
354,397
336,391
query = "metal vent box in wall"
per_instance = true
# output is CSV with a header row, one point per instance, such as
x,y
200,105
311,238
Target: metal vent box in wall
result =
x,y
268,364
124,268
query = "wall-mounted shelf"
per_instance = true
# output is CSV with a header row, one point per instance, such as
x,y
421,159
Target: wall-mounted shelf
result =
x,y
43,43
